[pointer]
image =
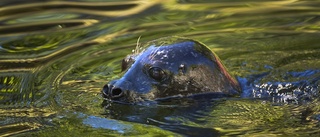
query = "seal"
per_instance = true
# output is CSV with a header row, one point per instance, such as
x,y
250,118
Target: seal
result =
x,y
170,67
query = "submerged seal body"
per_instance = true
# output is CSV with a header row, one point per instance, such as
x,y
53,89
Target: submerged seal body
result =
x,y
171,66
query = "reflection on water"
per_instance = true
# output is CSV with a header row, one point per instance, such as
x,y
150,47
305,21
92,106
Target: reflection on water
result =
x,y
56,56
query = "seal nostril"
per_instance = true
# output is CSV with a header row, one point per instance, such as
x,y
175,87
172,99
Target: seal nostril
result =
x,y
116,92
105,91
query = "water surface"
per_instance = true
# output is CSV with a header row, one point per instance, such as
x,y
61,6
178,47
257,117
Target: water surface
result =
x,y
55,56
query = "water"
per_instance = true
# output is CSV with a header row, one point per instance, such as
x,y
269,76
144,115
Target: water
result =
x,y
57,55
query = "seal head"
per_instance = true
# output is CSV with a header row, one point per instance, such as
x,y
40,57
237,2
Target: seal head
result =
x,y
168,67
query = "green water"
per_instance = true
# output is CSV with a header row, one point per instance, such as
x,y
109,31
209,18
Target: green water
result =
x,y
55,57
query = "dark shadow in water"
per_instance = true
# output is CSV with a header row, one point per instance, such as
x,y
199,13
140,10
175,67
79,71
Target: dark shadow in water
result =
x,y
169,114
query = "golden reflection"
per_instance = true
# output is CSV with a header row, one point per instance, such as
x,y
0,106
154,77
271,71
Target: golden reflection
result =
x,y
111,9
40,26
235,6
25,112
13,129
128,9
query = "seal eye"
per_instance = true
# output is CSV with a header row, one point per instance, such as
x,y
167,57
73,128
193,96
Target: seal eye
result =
x,y
157,73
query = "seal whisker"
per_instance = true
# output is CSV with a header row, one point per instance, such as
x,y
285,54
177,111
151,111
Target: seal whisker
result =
x,y
137,50
153,53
